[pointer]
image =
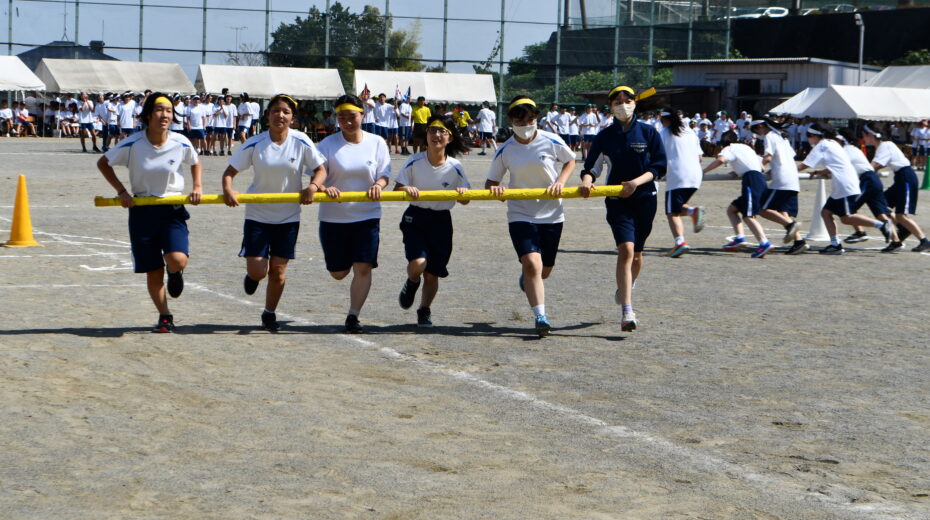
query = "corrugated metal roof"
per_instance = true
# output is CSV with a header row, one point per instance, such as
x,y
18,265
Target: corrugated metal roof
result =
x,y
736,61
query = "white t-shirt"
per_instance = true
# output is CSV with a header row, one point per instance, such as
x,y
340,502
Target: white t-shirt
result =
x,y
390,117
101,113
920,136
605,122
353,167
369,116
802,132
197,116
418,172
683,152
137,112
382,111
126,113
112,112
573,126
552,123
721,126
255,110
562,123
277,169
888,154
219,117
589,122
86,112
208,109
536,164
784,169
487,120
828,154
231,112
154,172
858,159
405,112
245,114
741,158
179,113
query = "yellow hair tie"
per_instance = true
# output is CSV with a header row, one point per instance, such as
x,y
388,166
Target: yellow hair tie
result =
x,y
522,101
349,106
621,88
437,123
163,99
289,98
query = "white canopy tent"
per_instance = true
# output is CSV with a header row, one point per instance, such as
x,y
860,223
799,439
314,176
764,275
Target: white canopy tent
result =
x,y
437,87
266,82
112,76
868,103
904,77
15,75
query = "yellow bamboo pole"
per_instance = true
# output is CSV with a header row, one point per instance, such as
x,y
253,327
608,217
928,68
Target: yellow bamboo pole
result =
x,y
361,196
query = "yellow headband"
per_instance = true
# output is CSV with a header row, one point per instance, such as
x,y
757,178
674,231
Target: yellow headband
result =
x,y
437,123
349,106
621,88
289,98
522,101
163,99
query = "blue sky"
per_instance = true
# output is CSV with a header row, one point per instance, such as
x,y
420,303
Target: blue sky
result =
x,y
175,24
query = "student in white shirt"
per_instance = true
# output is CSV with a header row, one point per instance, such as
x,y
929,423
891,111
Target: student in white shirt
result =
x,y
368,118
487,127
920,139
534,159
405,113
721,126
902,195
219,127
86,121
427,226
682,178
550,123
349,231
232,112
158,234
244,121
126,115
588,125
574,131
102,117
780,200
278,157
745,163
197,124
209,109
382,108
6,118
827,153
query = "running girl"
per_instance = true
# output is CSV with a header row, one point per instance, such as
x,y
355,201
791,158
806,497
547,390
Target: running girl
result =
x,y
684,176
780,199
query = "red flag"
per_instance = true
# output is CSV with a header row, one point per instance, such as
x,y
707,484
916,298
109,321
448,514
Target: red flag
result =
x,y
365,90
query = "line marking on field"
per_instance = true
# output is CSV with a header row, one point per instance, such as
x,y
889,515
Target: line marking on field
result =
x,y
69,285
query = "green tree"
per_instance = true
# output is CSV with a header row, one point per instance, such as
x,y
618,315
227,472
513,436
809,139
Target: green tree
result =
x,y
914,57
356,42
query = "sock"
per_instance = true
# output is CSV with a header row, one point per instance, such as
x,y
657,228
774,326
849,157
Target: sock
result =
x,y
690,211
354,312
679,241
788,226
739,238
878,224
764,242
834,241
627,307
539,310
266,311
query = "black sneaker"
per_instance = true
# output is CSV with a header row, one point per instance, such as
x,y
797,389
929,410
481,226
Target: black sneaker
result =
x,y
790,230
228,152
886,230
832,250
892,247
858,236
270,322
249,285
408,293
903,233
352,325
97,150
924,245
423,317
799,247
175,283
165,324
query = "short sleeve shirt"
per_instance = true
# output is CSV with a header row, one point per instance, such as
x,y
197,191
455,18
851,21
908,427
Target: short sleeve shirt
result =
x,y
353,167
420,173
828,154
154,171
741,158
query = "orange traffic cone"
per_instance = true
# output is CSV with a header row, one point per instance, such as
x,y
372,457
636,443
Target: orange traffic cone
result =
x,y
21,234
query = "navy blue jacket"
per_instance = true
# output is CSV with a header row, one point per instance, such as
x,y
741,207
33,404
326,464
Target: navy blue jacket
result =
x,y
632,153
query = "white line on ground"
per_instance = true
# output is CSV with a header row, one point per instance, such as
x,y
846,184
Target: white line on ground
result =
x,y
69,285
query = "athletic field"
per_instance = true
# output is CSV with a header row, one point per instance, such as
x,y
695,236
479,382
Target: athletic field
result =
x,y
781,388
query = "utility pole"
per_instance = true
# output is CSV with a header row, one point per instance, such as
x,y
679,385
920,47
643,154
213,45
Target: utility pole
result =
x,y
652,31
726,54
616,40
861,24
387,31
9,30
141,26
690,26
203,43
267,24
445,31
558,45
500,70
326,38
77,19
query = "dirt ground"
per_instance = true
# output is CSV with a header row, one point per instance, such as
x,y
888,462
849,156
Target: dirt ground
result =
x,y
791,387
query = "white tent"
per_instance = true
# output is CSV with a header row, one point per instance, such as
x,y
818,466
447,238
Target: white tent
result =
x,y
15,75
437,87
869,103
112,76
904,77
266,82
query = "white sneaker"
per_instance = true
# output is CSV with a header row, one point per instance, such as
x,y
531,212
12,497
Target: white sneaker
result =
x,y
628,321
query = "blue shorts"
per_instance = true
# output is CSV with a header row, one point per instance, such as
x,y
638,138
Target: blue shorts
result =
x,y
428,234
749,201
872,193
529,237
487,135
675,199
112,129
383,131
841,207
243,129
919,151
370,128
210,130
567,138
155,231
126,131
573,139
194,133
631,219
405,132
347,243
267,240
229,132
589,138
87,126
902,195
781,200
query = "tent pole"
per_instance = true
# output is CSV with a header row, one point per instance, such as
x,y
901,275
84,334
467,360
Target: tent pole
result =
x,y
326,38
500,70
387,26
203,43
141,25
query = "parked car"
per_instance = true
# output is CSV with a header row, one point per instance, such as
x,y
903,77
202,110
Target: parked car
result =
x,y
764,12
808,10
838,8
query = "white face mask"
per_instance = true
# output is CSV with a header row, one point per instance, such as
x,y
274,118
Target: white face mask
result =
x,y
623,111
524,132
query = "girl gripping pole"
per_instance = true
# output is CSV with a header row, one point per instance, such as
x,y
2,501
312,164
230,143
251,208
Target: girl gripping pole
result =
x,y
158,234
427,226
278,157
780,199
683,179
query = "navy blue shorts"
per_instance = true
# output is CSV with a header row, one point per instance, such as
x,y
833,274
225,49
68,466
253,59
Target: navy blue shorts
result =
x,y
841,207
428,234
872,193
87,126
127,131
567,138
781,200
589,138
528,237
195,133
266,240
749,201
243,129
113,129
347,243
919,151
487,135
631,219
155,231
406,132
381,130
675,199
902,195
210,130
370,128
573,139
229,132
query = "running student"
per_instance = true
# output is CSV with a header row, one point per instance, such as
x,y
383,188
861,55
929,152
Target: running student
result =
x,y
278,156
780,199
487,127
637,160
902,195
427,226
158,234
745,163
533,158
827,152
349,231
682,180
